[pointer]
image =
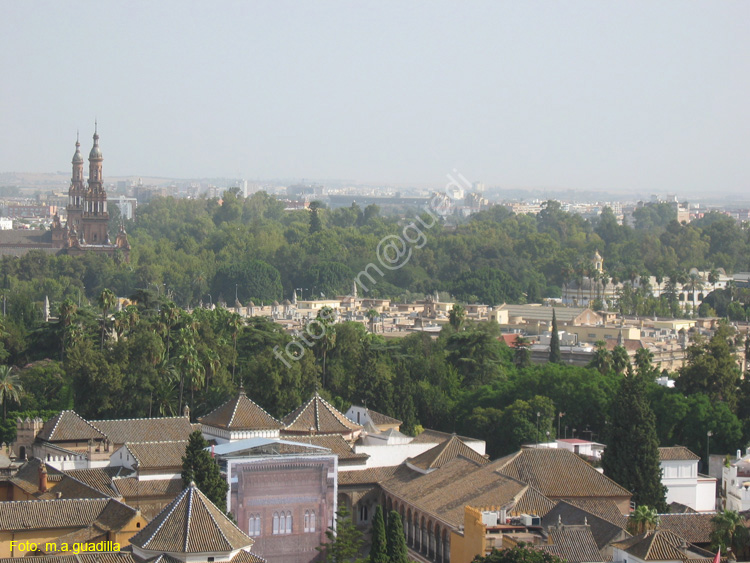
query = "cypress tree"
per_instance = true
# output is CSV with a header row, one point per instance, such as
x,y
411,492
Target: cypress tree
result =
x,y
200,467
554,342
379,549
632,455
396,540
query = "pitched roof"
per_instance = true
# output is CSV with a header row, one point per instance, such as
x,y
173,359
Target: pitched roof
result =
x,y
335,443
91,557
172,429
369,476
240,413
694,527
132,488
68,426
191,524
605,509
68,487
558,473
458,483
428,436
662,545
99,479
380,418
64,513
151,455
442,453
566,513
319,415
574,544
676,453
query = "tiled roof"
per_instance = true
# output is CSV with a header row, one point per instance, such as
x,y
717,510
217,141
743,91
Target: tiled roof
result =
x,y
442,453
662,545
380,418
676,453
574,544
99,479
150,455
247,557
605,509
428,436
335,443
191,524
132,488
321,416
166,429
71,488
369,476
460,482
532,501
100,557
63,513
240,413
67,426
558,473
603,530
694,527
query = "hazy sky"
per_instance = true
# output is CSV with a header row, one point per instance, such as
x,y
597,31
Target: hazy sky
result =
x,y
651,96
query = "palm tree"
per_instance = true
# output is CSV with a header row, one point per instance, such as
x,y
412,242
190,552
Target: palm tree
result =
x,y
729,532
67,312
457,316
643,519
602,359
10,387
107,300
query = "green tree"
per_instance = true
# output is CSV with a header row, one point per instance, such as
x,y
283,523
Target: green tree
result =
x,y
316,225
107,301
554,342
729,532
397,552
520,553
632,455
457,316
643,519
10,388
199,467
344,541
379,547
602,359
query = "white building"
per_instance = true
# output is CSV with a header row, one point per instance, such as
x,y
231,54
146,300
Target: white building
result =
x,y
683,482
736,483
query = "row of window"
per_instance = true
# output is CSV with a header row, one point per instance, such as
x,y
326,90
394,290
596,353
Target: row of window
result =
x,y
281,523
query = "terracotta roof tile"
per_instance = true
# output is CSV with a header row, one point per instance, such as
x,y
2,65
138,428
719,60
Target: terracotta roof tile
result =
x,y
603,508
153,455
240,413
662,545
63,513
71,488
442,453
67,426
320,415
603,530
574,544
92,557
166,429
558,473
382,419
99,479
131,488
191,524
532,501
335,443
676,453
694,527
428,436
369,476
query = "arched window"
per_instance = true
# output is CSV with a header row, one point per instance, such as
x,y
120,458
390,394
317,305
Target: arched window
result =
x,y
363,513
307,521
288,522
312,521
257,524
282,523
276,523
251,525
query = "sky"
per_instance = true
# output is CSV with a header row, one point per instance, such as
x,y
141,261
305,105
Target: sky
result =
x,y
589,95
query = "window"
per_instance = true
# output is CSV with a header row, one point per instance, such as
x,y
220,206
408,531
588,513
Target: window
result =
x,y
288,522
282,523
312,521
275,523
253,525
363,513
307,521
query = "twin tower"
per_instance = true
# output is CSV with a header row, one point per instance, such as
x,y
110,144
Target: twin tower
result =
x,y
87,227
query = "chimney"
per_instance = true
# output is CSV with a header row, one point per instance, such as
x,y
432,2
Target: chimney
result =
x,y
739,454
42,478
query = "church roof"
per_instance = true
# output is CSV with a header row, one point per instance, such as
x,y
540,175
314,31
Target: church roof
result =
x,y
69,426
191,524
240,413
443,453
320,416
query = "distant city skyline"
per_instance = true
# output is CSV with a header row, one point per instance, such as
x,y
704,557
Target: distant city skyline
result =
x,y
641,96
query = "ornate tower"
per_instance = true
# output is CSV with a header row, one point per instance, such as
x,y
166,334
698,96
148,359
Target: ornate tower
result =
x,y
95,215
77,190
